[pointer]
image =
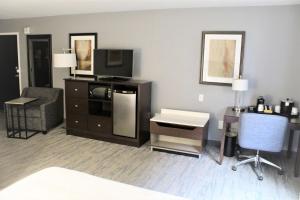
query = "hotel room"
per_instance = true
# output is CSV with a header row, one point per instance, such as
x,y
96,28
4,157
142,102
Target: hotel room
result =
x,y
149,99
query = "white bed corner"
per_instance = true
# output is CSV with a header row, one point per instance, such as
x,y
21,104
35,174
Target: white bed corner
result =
x,y
56,183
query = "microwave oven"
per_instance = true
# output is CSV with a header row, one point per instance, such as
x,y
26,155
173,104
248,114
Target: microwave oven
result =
x,y
100,92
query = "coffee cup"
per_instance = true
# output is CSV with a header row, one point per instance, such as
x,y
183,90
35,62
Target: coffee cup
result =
x,y
260,108
277,109
294,111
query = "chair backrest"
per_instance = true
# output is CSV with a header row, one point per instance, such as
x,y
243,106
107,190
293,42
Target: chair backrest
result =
x,y
44,94
262,132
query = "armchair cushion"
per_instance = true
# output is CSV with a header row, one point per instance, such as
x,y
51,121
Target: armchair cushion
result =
x,y
33,111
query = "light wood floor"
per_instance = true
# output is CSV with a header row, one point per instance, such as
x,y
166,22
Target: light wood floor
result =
x,y
179,175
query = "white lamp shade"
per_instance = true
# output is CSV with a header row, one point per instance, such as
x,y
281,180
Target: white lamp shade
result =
x,y
240,85
64,60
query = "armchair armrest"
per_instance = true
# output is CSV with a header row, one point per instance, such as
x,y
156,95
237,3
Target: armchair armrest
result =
x,y
24,92
52,112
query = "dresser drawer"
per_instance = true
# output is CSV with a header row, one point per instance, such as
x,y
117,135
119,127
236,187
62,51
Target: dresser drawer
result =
x,y
76,122
77,89
100,125
77,106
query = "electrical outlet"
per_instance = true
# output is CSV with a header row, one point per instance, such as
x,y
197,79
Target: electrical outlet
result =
x,y
201,98
27,30
220,124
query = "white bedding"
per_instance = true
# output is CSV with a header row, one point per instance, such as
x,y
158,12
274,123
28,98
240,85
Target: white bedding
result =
x,y
63,184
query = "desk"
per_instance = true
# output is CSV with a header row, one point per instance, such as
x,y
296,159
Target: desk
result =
x,y
294,124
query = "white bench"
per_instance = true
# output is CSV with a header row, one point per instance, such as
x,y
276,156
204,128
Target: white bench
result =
x,y
179,131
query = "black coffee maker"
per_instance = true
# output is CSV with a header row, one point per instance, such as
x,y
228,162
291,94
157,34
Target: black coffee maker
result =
x,y
286,107
260,104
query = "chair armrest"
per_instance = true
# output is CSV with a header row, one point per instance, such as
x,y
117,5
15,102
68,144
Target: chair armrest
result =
x,y
52,113
48,115
24,92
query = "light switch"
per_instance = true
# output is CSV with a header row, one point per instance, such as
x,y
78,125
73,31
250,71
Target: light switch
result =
x,y
220,124
201,98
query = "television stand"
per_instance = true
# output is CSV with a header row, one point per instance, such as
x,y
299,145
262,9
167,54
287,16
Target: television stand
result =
x,y
96,117
113,79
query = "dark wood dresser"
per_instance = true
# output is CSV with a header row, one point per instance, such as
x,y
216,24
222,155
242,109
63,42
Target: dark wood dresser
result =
x,y
91,117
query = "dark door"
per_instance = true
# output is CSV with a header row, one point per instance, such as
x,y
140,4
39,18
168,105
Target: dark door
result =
x,y
39,60
9,77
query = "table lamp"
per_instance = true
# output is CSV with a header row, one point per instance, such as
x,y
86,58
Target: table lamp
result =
x,y
239,86
65,60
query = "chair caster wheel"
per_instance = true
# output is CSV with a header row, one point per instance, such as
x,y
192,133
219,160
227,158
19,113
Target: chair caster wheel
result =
x,y
280,172
260,178
239,159
237,154
233,168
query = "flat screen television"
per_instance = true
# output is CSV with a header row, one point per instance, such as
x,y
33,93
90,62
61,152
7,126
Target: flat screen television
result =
x,y
113,63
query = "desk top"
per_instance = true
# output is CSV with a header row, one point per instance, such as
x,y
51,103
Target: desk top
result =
x,y
187,118
295,121
21,101
230,113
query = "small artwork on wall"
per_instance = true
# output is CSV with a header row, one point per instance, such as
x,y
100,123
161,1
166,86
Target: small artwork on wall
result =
x,y
221,57
83,44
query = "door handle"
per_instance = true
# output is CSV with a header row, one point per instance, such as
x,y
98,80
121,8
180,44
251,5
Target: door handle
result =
x,y
17,72
17,69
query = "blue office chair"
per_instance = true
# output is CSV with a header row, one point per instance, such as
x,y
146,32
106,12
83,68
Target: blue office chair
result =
x,y
261,132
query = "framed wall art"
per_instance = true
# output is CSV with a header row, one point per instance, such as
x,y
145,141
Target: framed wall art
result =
x,y
221,57
83,44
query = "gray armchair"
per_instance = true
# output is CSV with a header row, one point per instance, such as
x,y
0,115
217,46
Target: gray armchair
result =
x,y
45,113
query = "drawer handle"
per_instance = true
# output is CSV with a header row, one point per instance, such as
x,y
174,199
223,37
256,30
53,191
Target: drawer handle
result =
x,y
76,121
76,106
75,89
99,125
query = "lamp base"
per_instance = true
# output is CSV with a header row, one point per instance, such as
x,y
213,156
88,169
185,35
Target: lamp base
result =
x,y
238,109
74,75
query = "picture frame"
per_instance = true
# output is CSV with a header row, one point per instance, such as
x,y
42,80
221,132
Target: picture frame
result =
x,y
222,54
83,44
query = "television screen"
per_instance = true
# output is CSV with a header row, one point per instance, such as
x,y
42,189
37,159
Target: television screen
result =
x,y
113,62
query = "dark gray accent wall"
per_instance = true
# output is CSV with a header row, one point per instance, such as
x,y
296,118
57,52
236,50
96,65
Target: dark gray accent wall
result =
x,y
167,44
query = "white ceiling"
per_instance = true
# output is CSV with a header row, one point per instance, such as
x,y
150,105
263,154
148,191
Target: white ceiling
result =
x,y
39,8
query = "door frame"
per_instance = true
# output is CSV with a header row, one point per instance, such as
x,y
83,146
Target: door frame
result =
x,y
50,55
19,59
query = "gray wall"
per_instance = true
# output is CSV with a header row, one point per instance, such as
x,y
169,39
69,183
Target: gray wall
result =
x,y
168,42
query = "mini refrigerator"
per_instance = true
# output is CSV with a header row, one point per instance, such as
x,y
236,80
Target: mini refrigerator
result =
x,y
124,113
